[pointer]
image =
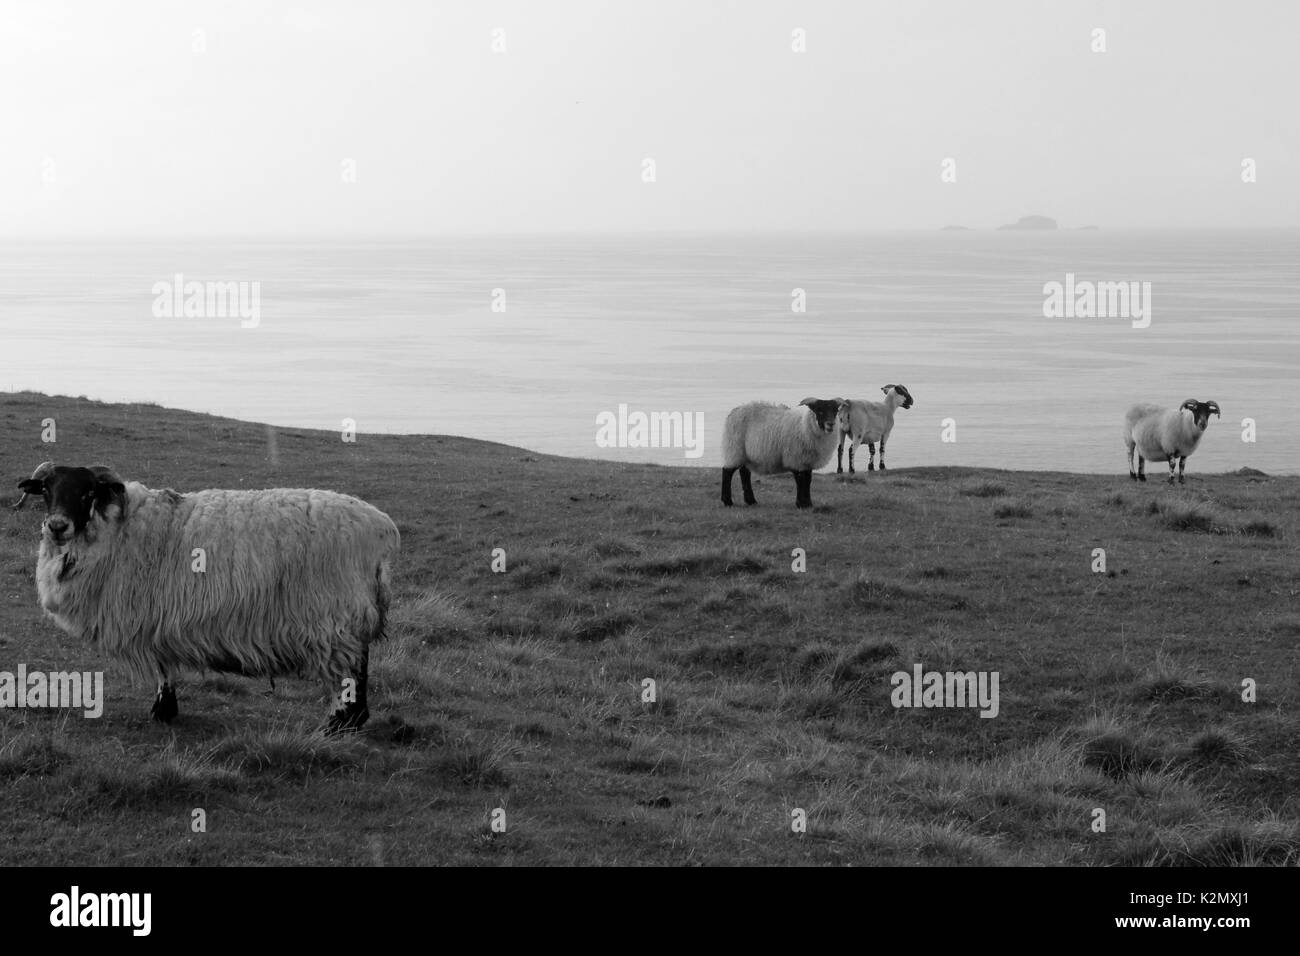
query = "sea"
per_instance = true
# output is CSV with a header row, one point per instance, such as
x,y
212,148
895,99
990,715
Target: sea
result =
x,y
557,343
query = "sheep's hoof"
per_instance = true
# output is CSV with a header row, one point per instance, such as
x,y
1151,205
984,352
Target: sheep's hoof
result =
x,y
1180,480
727,502
871,467
1133,475
882,466
803,504
751,500
164,707
347,720
1142,477
840,471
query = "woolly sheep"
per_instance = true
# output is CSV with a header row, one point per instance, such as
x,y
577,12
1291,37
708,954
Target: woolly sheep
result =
x,y
870,422
294,580
1163,434
769,438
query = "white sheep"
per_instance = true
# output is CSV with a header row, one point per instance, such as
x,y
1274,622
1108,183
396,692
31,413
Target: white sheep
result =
x,y
769,438
870,422
1164,434
260,583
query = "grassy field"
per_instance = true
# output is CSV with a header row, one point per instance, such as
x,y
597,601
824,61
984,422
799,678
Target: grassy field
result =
x,y
523,690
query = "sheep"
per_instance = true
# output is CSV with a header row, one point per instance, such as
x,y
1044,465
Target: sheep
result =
x,y
769,438
870,422
1165,434
288,580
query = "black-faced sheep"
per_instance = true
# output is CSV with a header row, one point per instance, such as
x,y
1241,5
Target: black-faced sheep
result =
x,y
1165,434
287,580
769,438
870,422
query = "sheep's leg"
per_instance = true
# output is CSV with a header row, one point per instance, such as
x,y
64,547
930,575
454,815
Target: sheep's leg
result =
x,y
871,450
1131,473
882,451
351,715
853,451
1173,464
164,707
803,489
1182,463
746,487
726,485
1142,468
839,456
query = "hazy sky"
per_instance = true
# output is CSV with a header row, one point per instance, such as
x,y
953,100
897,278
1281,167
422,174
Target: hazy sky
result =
x,y
113,124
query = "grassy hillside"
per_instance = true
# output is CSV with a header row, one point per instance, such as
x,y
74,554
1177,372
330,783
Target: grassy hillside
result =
x,y
522,690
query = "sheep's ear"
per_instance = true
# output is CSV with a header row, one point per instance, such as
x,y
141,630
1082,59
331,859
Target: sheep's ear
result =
x,y
32,486
809,401
1190,405
886,388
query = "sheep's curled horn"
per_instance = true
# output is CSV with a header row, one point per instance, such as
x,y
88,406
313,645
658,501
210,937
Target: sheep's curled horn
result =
x,y
1214,407
40,474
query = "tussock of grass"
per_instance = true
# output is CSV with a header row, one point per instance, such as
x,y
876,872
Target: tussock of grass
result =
x,y
30,756
696,561
1193,516
646,756
474,763
866,594
1220,745
736,655
287,751
1268,843
1013,510
983,489
812,657
1120,753
431,617
124,783
865,661
1259,528
601,627
1164,682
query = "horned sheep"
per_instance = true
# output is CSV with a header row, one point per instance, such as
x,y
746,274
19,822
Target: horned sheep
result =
x,y
260,583
1163,434
870,422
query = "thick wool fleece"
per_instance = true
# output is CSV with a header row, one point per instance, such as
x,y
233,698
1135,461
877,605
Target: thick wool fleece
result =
x,y
768,438
296,580
1160,432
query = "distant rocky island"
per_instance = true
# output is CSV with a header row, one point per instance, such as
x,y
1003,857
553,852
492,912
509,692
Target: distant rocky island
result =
x,y
1032,222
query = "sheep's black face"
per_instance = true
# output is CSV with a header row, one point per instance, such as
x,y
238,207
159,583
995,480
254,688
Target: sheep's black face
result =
x,y
827,411
907,396
71,497
1201,412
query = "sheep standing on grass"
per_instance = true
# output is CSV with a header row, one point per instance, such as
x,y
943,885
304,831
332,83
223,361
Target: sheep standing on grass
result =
x,y
1163,434
769,438
870,422
259,583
